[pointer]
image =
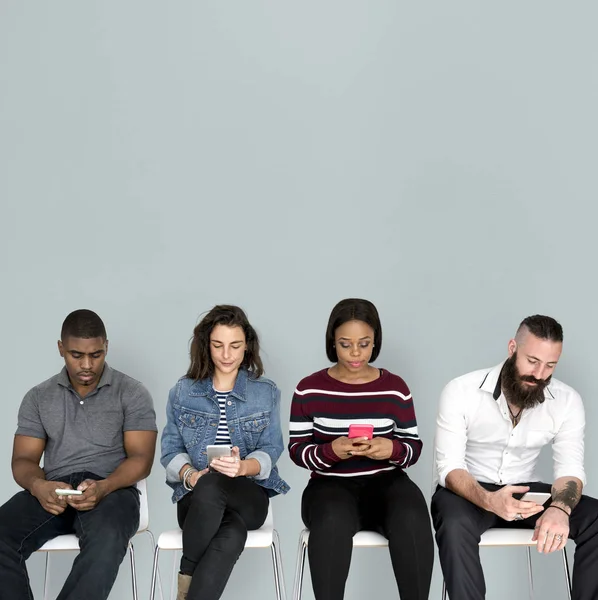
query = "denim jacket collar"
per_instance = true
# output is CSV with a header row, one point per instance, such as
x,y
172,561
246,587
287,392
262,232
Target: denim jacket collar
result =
x,y
203,387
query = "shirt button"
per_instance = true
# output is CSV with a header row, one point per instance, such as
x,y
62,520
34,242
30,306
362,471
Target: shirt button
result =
x,y
232,430
229,402
81,402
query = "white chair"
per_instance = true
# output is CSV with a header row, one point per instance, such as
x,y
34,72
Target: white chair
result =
x,y
70,542
264,537
362,539
498,537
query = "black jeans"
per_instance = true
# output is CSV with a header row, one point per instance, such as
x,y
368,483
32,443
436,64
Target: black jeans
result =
x,y
336,508
104,533
459,525
215,518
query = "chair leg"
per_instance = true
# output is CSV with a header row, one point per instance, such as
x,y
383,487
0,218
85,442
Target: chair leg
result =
x,y
443,589
158,578
567,574
299,569
173,579
154,573
133,571
529,573
47,577
277,566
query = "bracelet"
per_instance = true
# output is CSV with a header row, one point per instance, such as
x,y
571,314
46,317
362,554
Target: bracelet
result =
x,y
555,506
189,471
185,473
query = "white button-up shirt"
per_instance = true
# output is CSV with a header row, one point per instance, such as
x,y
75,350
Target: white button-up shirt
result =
x,y
474,431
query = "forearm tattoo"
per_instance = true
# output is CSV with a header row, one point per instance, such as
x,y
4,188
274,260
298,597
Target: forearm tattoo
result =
x,y
569,495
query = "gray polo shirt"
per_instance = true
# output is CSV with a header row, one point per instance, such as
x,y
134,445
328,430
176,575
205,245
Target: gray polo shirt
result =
x,y
85,434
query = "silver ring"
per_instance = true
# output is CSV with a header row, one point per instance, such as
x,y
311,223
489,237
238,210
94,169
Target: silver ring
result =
x,y
519,517
559,537
236,459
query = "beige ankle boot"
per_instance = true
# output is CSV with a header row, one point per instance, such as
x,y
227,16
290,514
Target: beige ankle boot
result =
x,y
183,588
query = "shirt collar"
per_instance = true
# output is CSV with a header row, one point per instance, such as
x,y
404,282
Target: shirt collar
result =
x,y
105,379
491,383
203,387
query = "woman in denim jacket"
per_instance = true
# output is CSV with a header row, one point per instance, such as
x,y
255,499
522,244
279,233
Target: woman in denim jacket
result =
x,y
223,399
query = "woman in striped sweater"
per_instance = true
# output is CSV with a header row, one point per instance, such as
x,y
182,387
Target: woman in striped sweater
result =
x,y
359,483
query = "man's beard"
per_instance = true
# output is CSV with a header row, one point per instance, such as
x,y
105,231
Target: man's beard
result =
x,y
517,392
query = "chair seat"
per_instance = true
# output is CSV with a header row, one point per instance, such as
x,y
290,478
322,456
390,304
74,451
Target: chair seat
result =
x,y
507,537
362,539
61,542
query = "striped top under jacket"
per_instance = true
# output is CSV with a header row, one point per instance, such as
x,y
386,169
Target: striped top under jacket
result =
x,y
323,408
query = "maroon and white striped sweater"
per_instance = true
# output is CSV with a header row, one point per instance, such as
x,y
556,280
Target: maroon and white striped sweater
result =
x,y
323,408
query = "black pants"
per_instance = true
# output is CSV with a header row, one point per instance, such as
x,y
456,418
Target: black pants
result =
x,y
459,525
336,508
215,518
104,533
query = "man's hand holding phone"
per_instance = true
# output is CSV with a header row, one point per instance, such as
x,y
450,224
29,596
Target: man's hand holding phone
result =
x,y
93,492
503,504
45,492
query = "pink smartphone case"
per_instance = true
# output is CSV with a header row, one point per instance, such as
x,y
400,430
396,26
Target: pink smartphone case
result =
x,y
356,431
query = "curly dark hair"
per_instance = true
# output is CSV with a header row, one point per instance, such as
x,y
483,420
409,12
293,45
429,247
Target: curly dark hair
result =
x,y
202,366
353,309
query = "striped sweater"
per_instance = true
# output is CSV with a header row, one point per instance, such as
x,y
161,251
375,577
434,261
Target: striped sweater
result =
x,y
323,408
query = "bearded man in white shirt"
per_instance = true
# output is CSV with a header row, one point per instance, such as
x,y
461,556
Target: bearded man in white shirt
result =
x,y
490,429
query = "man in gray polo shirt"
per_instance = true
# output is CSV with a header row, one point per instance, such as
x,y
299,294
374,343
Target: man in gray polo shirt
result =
x,y
96,429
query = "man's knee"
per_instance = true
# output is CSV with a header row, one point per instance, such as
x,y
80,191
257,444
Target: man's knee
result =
x,y
109,545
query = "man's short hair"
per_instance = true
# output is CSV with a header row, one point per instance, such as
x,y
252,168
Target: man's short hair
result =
x,y
543,327
83,323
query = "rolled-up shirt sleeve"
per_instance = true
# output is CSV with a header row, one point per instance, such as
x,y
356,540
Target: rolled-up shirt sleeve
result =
x,y
568,444
451,432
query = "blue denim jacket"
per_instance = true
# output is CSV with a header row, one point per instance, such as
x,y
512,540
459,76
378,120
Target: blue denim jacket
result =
x,y
253,415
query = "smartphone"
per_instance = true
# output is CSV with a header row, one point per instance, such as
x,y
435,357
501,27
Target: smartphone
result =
x,y
537,497
366,431
217,450
63,492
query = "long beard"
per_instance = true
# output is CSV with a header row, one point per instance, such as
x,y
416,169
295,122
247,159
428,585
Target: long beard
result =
x,y
517,392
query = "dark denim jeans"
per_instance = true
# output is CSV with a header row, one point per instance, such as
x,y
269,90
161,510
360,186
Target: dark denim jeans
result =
x,y
104,533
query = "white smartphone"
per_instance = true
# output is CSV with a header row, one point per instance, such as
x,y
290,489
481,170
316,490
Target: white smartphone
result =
x,y
63,492
216,451
537,497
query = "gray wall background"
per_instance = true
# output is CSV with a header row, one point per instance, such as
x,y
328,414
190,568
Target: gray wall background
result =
x,y
437,158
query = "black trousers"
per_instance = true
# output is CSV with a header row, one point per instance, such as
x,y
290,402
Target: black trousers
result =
x,y
104,533
215,518
336,508
459,525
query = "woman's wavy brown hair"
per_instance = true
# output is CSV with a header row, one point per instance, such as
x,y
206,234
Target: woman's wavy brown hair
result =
x,y
202,366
